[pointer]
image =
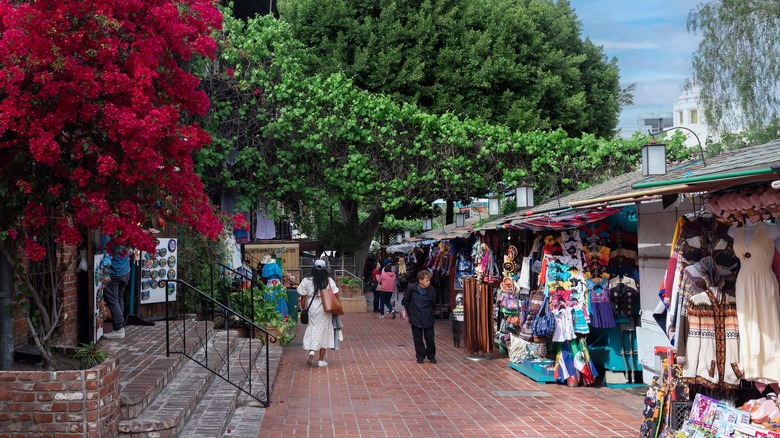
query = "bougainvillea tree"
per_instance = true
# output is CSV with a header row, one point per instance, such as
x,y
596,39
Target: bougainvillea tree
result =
x,y
95,119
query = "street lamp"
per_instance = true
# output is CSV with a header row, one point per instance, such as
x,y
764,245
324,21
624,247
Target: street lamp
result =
x,y
427,223
494,206
654,154
524,196
460,219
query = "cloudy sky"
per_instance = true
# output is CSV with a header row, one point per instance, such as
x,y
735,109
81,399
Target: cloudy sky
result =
x,y
650,40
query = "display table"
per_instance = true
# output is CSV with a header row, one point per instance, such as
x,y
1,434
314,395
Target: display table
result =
x,y
541,370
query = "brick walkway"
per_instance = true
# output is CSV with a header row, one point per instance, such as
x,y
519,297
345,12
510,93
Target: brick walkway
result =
x,y
373,387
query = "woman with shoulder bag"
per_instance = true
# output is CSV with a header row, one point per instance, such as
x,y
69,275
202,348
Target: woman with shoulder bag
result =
x,y
319,331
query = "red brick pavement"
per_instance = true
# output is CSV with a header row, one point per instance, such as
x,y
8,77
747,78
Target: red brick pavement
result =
x,y
373,387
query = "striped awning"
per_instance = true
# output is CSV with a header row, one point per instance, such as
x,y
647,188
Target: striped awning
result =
x,y
563,221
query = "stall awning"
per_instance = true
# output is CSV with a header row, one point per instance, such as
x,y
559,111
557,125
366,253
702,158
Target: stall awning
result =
x,y
563,221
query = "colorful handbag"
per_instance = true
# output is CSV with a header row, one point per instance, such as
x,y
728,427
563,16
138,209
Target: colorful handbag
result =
x,y
544,323
509,302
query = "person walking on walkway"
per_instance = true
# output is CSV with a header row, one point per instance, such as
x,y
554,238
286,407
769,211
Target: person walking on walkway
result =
x,y
385,288
374,283
319,331
114,292
419,301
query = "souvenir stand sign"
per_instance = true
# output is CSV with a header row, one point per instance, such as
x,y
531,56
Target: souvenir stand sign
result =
x,y
156,268
100,280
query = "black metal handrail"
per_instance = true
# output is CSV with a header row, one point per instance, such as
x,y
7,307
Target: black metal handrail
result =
x,y
252,281
245,383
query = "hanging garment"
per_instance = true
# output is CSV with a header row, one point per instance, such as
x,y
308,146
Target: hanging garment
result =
x,y
709,337
601,315
580,317
265,226
564,325
758,305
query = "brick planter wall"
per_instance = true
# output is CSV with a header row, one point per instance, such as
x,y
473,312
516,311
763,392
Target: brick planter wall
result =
x,y
65,404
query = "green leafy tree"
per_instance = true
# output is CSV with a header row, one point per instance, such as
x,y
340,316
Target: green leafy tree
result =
x,y
737,62
317,143
518,63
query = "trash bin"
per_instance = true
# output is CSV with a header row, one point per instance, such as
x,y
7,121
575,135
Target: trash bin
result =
x,y
292,303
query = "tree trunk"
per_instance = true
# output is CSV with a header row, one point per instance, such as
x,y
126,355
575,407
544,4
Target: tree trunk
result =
x,y
450,213
366,230
6,309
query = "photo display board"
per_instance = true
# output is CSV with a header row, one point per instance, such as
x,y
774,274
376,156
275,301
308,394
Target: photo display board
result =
x,y
158,267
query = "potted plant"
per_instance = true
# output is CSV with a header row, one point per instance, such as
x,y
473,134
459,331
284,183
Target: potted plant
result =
x,y
285,330
260,305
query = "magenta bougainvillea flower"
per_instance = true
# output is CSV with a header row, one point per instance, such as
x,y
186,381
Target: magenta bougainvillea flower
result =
x,y
95,118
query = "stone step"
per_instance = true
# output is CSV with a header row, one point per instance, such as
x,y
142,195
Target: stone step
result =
x,y
222,399
169,410
248,415
144,347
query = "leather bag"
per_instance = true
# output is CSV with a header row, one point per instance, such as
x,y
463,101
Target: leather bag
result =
x,y
330,303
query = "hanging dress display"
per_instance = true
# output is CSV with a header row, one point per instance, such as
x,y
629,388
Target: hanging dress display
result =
x,y
709,338
758,304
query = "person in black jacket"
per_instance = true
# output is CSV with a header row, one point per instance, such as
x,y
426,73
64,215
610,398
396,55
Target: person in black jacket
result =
x,y
419,301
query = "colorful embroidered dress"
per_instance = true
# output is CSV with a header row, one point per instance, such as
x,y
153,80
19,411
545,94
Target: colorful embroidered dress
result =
x,y
601,315
711,330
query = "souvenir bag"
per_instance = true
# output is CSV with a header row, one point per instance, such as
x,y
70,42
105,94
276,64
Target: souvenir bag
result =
x,y
304,318
330,303
534,306
509,302
513,324
544,323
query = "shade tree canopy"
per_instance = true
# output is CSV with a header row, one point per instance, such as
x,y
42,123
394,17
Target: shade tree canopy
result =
x,y
522,64
317,143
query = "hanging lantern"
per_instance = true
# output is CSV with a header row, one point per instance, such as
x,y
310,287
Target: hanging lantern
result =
x,y
653,158
460,220
524,196
494,206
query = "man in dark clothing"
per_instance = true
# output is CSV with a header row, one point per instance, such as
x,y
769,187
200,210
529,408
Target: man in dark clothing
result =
x,y
419,301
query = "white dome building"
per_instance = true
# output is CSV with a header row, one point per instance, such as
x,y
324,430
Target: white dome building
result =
x,y
688,113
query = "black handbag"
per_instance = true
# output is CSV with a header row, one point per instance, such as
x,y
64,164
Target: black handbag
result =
x,y
304,318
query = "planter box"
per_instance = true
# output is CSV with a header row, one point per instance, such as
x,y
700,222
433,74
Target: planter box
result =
x,y
61,403
350,292
354,305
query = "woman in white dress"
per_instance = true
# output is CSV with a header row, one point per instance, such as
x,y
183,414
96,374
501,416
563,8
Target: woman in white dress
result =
x,y
319,331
